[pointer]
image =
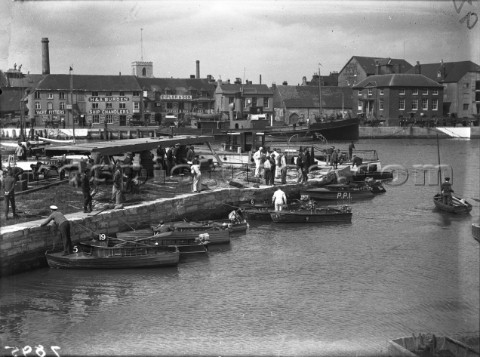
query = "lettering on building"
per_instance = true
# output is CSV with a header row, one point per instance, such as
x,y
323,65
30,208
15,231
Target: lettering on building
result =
x,y
49,111
108,111
175,97
108,99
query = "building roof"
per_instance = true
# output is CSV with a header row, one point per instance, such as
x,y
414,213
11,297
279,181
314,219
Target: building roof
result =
x,y
89,83
181,85
369,63
308,97
27,81
452,71
248,89
398,80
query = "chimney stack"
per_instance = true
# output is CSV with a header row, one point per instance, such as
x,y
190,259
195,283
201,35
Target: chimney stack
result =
x,y
45,57
198,69
260,80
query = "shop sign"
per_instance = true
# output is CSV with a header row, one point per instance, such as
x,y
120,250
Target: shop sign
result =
x,y
108,99
108,111
49,111
175,97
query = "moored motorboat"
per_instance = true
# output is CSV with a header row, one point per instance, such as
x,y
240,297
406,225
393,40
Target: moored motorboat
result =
x,y
338,192
314,215
92,255
458,206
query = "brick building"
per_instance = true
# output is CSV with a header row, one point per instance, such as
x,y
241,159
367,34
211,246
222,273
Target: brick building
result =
x,y
94,99
394,96
461,85
358,68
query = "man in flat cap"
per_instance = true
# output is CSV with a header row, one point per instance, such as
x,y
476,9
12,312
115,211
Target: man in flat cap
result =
x,y
447,191
63,226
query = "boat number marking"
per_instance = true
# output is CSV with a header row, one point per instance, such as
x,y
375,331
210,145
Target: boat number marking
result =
x,y
75,249
102,237
343,195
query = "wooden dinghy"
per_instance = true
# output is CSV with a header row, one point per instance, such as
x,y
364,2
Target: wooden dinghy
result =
x,y
185,245
92,255
427,345
458,206
316,215
209,236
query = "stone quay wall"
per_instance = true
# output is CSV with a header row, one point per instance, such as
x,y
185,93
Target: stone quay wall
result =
x,y
23,246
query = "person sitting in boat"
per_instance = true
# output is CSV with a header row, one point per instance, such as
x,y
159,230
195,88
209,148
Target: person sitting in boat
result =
x,y
447,191
279,199
235,217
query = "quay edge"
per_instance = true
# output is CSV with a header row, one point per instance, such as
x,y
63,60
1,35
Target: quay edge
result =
x,y
396,132
23,248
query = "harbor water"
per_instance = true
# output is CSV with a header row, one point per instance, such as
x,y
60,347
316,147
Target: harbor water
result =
x,y
401,267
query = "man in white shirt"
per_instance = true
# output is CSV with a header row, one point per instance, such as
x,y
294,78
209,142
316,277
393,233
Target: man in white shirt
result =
x,y
257,157
279,199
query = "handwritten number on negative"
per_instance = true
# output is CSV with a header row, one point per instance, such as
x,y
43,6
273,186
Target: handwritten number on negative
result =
x,y
467,17
457,9
27,350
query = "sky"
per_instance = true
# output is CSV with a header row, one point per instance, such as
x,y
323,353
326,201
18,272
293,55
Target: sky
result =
x,y
267,41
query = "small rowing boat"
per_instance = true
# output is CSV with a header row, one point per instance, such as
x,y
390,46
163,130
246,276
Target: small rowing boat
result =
x,y
315,215
458,206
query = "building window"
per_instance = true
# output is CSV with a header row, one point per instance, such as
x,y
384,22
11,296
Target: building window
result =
x,y
434,104
136,94
49,106
108,105
37,95
231,100
265,102
122,94
80,98
401,104
254,101
415,91
96,119
169,105
359,106
38,105
401,91
62,105
122,105
380,91
465,106
359,93
435,91
109,118
136,105
370,92
50,96
466,85
424,104
94,105
108,94
425,91
61,95
415,104
181,106
380,104
94,94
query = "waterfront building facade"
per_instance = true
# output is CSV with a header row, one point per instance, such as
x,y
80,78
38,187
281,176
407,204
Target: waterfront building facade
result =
x,y
301,104
90,100
244,105
461,86
358,68
176,99
389,98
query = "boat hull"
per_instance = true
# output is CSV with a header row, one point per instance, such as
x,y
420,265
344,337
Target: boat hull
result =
x,y
476,231
316,216
83,260
459,206
325,194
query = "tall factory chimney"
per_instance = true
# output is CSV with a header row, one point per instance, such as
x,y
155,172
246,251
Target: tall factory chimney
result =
x,y
45,57
198,69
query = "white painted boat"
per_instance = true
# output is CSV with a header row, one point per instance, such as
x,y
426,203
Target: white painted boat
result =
x,y
57,141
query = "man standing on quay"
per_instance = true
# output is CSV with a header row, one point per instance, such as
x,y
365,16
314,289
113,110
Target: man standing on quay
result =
x,y
9,190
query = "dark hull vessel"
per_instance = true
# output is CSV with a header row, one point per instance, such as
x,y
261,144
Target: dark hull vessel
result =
x,y
317,215
429,345
476,231
458,206
337,192
125,257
